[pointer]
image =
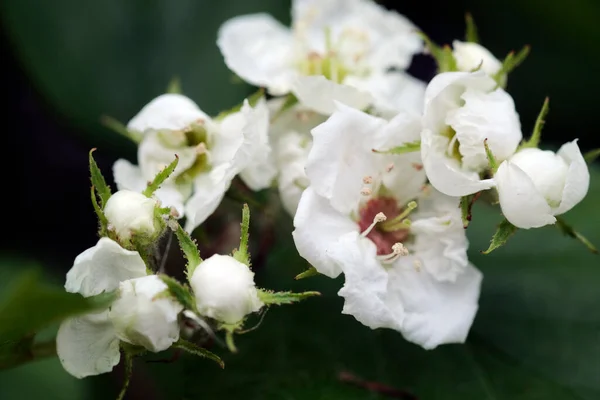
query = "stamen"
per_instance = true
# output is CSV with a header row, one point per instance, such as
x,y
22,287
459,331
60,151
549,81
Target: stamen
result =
x,y
367,179
380,217
366,191
450,149
389,167
398,250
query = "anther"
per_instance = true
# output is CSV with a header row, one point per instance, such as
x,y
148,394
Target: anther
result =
x,y
367,179
201,148
389,167
366,191
398,250
174,213
380,217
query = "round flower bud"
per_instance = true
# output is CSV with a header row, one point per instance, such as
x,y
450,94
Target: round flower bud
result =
x,y
131,213
142,316
225,289
469,56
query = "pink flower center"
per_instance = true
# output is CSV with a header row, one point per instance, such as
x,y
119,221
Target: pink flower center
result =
x,y
383,240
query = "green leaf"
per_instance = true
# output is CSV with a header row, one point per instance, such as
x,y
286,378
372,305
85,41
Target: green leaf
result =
x,y
31,305
189,248
174,86
198,351
242,254
471,34
511,62
503,233
534,140
442,55
278,298
116,126
98,181
591,155
568,230
180,292
491,158
161,177
405,148
102,221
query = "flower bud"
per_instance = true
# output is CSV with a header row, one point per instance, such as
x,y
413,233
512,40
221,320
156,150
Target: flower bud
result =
x,y
225,289
131,213
470,56
142,317
535,185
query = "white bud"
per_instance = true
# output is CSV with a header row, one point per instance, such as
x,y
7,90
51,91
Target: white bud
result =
x,y
130,212
225,289
470,56
546,169
143,317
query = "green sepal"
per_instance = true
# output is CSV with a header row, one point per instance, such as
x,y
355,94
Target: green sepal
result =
x,y
174,86
534,140
252,101
102,221
198,351
188,247
289,102
116,126
98,182
491,158
409,147
242,254
568,230
311,271
277,298
591,155
511,62
503,233
179,292
466,202
162,176
442,54
471,34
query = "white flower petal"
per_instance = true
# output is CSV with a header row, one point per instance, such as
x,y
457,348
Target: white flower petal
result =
x,y
154,155
341,156
131,213
87,345
318,227
144,318
258,49
101,268
445,173
521,203
209,190
367,295
128,176
470,56
578,177
435,312
166,112
320,94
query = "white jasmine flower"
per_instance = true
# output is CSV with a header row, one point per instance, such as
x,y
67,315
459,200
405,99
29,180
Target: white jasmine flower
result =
x,y
131,213
469,56
336,50
462,110
225,289
536,185
414,276
87,345
211,152
142,316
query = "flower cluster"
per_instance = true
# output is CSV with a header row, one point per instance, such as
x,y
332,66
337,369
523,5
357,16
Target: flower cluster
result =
x,y
378,169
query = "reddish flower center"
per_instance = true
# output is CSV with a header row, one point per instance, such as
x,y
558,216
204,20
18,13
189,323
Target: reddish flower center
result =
x,y
382,239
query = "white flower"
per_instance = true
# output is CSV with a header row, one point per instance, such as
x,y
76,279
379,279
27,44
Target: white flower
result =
x,y
131,213
225,289
470,56
462,110
336,50
536,185
87,345
142,317
412,277
211,153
